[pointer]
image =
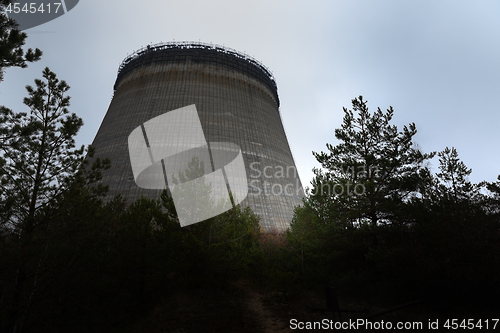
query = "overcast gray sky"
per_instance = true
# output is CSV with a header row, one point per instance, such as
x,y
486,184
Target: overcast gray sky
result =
x,y
436,62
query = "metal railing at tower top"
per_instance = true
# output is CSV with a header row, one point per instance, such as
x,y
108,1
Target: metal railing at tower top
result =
x,y
195,45
198,52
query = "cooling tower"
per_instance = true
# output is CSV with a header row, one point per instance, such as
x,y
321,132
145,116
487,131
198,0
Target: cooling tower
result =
x,y
236,101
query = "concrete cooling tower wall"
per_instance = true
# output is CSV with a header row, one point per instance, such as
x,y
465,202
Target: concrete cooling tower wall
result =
x,y
236,101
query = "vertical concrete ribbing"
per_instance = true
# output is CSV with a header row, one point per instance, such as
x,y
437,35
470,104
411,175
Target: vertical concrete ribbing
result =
x,y
234,105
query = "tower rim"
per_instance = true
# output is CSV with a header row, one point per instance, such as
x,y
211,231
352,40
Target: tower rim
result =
x,y
237,60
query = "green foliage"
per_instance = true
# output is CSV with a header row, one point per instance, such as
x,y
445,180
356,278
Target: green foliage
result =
x,y
195,199
97,267
12,42
230,239
38,158
436,235
373,168
453,174
492,204
87,266
43,178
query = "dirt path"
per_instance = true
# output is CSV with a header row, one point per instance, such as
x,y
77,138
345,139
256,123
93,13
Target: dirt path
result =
x,y
241,308
269,322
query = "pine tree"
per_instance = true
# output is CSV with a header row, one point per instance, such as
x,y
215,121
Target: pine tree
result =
x,y
12,42
38,164
372,169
